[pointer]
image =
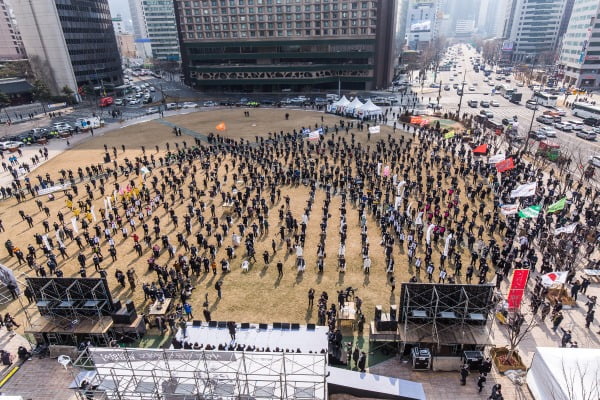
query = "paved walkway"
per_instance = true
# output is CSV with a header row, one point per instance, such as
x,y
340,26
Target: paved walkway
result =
x,y
43,379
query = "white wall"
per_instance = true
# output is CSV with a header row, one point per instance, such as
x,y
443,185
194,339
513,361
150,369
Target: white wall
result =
x,y
45,43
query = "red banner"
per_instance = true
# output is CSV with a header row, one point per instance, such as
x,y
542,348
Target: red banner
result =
x,y
505,165
481,149
517,288
417,119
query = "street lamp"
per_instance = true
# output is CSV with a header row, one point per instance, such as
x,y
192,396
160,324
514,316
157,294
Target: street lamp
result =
x,y
462,92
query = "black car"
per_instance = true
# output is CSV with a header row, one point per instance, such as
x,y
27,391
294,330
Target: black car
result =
x,y
591,122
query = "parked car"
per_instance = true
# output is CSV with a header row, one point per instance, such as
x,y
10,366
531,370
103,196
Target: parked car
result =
x,y
134,102
545,119
494,103
537,135
484,104
594,160
446,87
118,102
209,103
471,89
587,135
171,106
549,132
152,110
189,104
472,103
489,115
563,126
10,145
591,122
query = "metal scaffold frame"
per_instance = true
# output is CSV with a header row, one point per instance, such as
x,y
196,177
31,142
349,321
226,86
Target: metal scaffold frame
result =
x,y
445,314
198,374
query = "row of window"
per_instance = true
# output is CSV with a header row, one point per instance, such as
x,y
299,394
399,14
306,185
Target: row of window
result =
x,y
278,25
280,33
232,3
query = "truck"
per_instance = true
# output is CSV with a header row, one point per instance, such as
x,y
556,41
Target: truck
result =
x,y
85,124
106,101
516,98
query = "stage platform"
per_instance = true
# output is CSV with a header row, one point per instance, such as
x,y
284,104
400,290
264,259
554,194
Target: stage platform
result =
x,y
372,386
306,340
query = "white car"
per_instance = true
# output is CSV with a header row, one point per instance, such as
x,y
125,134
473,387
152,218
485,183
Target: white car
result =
x,y
494,103
532,105
549,132
595,160
171,106
134,102
151,110
209,104
563,126
471,88
118,102
10,145
189,104
587,135
152,89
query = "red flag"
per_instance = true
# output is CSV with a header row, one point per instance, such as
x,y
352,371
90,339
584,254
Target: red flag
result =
x,y
517,288
505,165
480,149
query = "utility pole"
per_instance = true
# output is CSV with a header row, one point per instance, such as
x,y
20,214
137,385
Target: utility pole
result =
x,y
462,92
526,144
439,93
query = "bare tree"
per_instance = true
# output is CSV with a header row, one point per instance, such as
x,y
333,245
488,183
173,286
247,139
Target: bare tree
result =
x,y
582,381
519,326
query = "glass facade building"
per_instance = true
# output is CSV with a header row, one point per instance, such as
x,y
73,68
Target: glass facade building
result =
x,y
296,45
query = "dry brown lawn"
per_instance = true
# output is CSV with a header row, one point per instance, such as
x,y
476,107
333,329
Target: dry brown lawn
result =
x,y
256,296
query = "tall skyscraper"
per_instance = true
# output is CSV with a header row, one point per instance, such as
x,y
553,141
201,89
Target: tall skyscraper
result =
x,y
532,29
155,29
274,45
11,44
580,53
70,42
421,23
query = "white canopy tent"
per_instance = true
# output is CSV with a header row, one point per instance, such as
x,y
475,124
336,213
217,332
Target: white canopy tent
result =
x,y
353,106
565,374
368,109
338,105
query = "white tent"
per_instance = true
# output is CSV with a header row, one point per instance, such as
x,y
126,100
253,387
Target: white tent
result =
x,y
338,105
368,109
565,374
353,106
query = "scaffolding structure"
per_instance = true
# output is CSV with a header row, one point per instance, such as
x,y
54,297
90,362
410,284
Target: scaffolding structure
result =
x,y
444,314
70,309
159,374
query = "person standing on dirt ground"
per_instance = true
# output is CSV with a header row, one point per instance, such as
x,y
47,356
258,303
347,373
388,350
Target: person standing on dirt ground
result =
x,y
218,287
311,297
393,283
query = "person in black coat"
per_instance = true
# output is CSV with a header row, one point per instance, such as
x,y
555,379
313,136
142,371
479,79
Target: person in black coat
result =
x,y
481,382
464,372
362,361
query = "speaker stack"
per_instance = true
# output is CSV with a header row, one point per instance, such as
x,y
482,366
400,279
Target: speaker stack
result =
x,y
124,315
384,321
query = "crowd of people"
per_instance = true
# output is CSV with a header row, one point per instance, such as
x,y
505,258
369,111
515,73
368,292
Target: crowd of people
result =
x,y
429,205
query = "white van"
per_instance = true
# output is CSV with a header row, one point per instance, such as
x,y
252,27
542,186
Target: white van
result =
x,y
577,125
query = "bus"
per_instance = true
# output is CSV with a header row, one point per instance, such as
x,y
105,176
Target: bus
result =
x,y
545,99
506,91
585,110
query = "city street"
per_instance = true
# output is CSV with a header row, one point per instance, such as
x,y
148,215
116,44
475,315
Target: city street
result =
x,y
581,149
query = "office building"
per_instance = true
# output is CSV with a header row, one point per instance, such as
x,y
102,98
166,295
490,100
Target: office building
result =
x,y
126,43
118,26
531,30
70,43
155,29
11,44
580,53
421,23
274,45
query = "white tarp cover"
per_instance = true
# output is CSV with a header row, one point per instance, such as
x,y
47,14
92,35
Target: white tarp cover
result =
x,y
565,374
369,109
338,105
353,106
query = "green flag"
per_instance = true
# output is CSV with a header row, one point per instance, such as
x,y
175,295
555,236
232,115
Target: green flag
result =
x,y
449,135
559,205
530,212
